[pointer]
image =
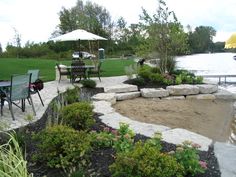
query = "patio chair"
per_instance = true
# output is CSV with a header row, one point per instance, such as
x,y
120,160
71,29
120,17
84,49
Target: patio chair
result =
x,y
63,72
96,71
34,83
19,91
77,70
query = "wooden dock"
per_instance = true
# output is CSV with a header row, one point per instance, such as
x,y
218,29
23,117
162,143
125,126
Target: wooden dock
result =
x,y
219,76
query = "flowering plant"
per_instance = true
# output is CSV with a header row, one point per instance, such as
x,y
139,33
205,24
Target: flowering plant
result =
x,y
187,155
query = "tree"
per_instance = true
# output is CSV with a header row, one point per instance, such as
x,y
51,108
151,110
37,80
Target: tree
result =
x,y
165,35
201,40
0,48
89,16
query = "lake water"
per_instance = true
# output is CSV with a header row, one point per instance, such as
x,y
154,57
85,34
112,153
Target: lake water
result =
x,y
210,64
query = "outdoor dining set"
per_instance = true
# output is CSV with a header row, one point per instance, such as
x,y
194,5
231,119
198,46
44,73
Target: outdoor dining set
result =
x,y
19,89
78,70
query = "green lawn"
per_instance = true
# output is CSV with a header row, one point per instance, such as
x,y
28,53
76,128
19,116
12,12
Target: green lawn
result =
x,y
110,67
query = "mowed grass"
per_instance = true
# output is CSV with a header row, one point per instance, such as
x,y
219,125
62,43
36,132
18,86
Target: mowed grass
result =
x,y
110,67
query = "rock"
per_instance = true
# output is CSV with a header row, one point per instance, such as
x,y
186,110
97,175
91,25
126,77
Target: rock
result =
x,y
174,98
127,96
154,93
225,95
102,107
121,88
178,136
207,88
202,97
226,155
110,97
184,89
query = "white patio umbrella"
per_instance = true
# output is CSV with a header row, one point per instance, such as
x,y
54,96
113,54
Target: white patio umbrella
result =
x,y
78,35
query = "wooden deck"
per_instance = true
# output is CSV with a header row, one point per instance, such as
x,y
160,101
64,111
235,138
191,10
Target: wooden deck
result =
x,y
225,76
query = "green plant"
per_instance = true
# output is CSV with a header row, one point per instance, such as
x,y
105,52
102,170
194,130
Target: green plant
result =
x,y
186,154
137,81
78,115
12,161
156,78
124,140
88,83
131,70
63,147
198,80
105,138
144,72
29,118
144,160
71,95
178,80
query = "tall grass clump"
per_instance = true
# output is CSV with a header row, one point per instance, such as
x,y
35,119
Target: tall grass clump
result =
x,y
12,162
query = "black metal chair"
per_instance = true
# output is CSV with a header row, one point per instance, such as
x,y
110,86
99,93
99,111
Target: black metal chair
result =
x,y
95,71
77,70
63,72
19,91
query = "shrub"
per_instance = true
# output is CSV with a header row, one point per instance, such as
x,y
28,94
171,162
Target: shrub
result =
x,y
139,81
72,95
12,162
155,70
88,83
145,160
156,78
178,80
105,138
62,147
78,115
144,73
124,140
186,154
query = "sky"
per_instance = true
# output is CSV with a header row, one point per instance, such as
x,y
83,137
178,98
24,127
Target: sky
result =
x,y
35,20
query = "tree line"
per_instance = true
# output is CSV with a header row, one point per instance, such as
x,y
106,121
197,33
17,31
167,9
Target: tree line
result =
x,y
158,35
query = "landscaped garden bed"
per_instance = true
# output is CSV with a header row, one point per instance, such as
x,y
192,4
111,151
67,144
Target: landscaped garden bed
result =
x,y
86,146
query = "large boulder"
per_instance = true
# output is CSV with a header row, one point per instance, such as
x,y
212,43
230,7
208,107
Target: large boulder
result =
x,y
225,95
127,95
202,97
121,88
154,93
184,89
110,97
207,88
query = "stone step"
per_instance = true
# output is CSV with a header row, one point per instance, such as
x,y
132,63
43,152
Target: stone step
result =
x,y
154,93
127,95
110,97
207,88
121,88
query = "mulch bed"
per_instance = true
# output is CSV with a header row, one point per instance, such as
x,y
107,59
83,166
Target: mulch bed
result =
x,y
101,159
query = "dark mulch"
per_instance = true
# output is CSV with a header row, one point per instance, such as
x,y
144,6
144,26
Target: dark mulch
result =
x,y
100,158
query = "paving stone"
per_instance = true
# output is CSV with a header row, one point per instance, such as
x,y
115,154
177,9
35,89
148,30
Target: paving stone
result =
x,y
226,155
102,107
225,95
178,136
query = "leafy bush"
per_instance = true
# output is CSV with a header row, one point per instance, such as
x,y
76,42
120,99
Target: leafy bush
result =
x,y
178,80
62,147
145,160
124,140
12,162
144,73
77,115
155,70
105,138
186,154
88,83
156,78
72,95
139,81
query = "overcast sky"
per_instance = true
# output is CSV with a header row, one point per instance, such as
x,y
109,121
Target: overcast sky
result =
x,y
35,20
